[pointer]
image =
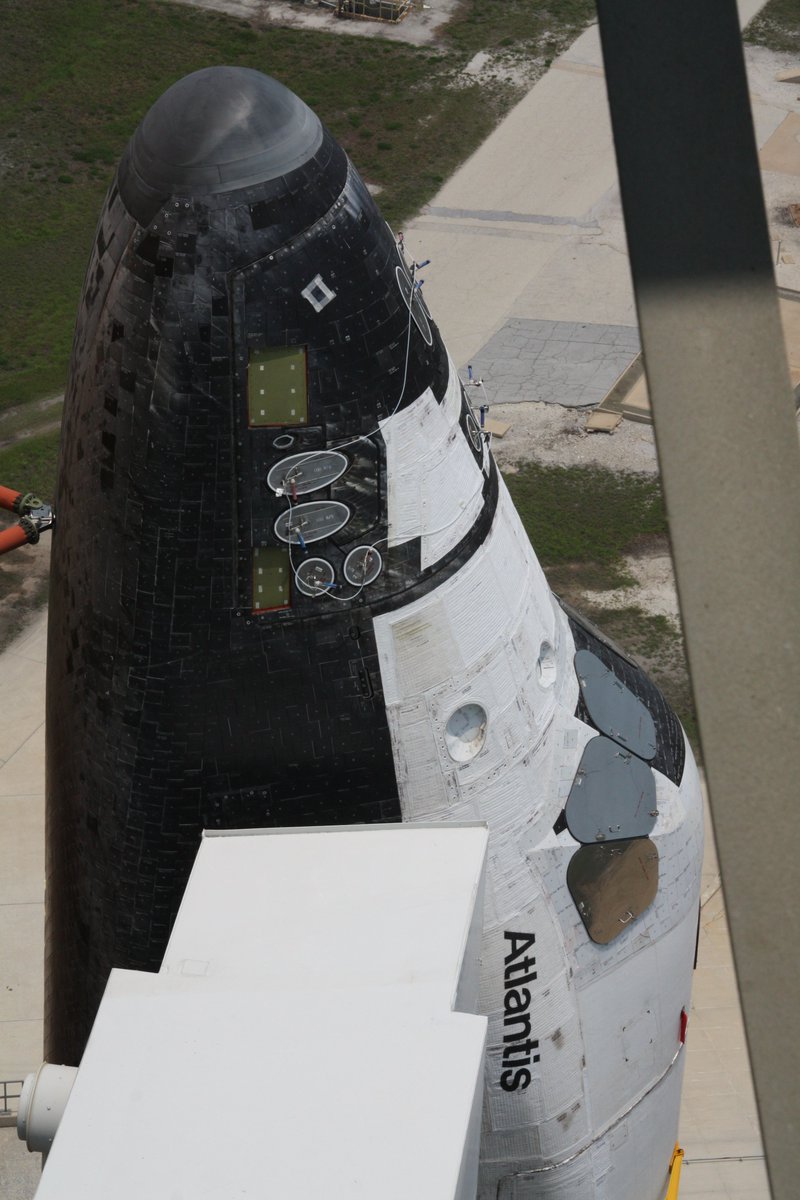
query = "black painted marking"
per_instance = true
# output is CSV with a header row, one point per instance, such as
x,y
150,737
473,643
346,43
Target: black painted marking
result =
x,y
520,1050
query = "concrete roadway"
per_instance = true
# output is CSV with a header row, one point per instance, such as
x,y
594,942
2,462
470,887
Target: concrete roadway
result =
x,y
530,230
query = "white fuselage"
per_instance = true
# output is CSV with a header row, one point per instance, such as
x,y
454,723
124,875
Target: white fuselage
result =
x,y
584,1061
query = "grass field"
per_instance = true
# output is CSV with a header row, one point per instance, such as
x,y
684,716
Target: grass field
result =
x,y
582,522
75,80
583,519
777,26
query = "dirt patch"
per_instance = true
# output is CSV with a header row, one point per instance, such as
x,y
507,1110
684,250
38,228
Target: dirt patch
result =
x,y
27,420
556,436
419,28
653,588
487,68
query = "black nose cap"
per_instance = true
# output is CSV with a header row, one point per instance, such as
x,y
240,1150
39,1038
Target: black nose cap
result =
x,y
216,130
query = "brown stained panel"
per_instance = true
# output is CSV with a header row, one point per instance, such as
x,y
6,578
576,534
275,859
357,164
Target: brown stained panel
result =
x,y
612,883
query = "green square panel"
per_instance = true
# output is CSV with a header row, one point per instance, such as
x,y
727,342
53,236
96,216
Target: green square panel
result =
x,y
276,386
271,574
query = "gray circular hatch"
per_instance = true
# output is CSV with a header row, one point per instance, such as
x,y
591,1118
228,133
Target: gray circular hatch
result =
x,y
362,566
314,576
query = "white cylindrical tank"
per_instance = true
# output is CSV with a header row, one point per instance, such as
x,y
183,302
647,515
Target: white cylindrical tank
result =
x,y
42,1103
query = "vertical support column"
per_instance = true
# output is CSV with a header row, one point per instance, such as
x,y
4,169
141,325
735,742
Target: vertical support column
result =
x,y
728,447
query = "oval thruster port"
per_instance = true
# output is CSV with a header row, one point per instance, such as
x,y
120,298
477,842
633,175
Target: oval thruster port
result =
x,y
314,576
303,473
417,310
474,431
311,522
362,566
283,442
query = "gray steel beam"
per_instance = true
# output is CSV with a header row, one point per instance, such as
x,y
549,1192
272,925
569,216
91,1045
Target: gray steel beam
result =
x,y
728,448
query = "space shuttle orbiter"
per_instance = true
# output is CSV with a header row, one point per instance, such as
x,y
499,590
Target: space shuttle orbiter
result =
x,y
289,587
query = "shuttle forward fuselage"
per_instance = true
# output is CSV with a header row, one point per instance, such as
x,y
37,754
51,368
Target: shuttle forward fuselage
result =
x,y
289,587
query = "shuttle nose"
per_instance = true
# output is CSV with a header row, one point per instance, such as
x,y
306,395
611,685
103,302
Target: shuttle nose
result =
x,y
216,130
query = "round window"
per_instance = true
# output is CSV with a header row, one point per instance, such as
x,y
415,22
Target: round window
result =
x,y
546,665
465,732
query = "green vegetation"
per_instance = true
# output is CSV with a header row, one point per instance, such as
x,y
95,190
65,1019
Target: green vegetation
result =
x,y
517,30
583,519
29,465
75,80
777,26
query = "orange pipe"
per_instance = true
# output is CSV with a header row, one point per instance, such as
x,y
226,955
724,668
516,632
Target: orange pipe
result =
x,y
11,538
8,498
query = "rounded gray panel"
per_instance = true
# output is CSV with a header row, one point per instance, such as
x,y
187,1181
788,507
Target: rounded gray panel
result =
x,y
612,884
308,472
362,566
613,795
303,523
314,576
613,708
218,129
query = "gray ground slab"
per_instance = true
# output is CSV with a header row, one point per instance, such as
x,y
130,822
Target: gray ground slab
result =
x,y
20,1171
22,672
572,363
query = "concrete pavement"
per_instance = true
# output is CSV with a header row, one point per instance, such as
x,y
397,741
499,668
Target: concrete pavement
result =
x,y
22,671
529,278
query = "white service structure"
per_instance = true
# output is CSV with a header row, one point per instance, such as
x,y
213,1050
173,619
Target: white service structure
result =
x,y
311,1032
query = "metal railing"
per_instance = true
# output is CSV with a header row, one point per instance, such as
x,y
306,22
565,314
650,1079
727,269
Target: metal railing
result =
x,y
10,1089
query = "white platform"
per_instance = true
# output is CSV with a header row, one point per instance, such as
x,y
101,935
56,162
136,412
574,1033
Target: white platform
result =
x,y
300,1040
